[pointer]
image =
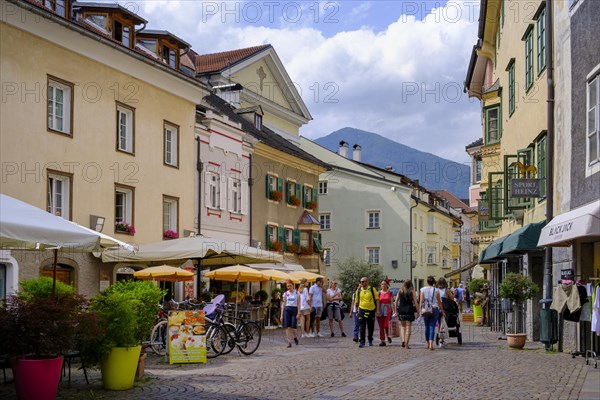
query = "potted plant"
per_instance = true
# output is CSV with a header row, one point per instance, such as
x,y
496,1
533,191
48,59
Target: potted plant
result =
x,y
124,227
263,295
311,205
127,310
475,287
38,328
275,195
517,288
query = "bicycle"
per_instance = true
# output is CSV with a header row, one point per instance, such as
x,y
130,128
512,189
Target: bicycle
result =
x,y
225,336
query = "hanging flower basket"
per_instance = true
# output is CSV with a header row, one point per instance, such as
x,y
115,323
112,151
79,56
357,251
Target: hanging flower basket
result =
x,y
124,227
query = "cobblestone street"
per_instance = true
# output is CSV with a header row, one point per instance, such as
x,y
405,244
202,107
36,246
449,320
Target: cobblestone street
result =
x,y
330,368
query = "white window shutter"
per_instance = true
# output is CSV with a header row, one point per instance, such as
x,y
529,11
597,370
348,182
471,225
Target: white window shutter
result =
x,y
207,182
223,193
229,194
245,199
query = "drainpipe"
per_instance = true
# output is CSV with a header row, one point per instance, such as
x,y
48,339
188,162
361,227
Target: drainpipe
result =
x,y
198,232
547,289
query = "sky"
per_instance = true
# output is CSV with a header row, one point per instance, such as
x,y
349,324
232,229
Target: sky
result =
x,y
395,68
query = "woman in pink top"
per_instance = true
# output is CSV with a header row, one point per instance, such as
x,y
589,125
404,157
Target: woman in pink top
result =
x,y
385,308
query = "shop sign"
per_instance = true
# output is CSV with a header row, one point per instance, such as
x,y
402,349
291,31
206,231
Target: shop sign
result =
x,y
484,210
525,188
567,274
187,337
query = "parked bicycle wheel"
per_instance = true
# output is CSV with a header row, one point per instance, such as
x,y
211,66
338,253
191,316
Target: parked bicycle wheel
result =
x,y
249,338
231,337
158,338
216,338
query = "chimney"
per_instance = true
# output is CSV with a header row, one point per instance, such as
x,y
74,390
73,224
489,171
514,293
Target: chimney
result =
x,y
343,149
389,168
356,152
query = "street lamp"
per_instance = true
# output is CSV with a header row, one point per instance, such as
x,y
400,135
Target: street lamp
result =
x,y
410,216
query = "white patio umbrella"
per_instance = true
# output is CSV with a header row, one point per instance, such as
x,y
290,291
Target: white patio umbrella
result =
x,y
209,251
26,227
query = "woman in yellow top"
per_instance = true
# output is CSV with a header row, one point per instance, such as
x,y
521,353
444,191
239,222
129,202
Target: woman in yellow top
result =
x,y
368,307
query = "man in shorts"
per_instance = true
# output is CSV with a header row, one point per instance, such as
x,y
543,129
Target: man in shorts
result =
x,y
334,295
315,299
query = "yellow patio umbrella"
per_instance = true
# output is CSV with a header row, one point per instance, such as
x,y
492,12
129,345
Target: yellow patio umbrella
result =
x,y
236,273
279,276
165,273
310,276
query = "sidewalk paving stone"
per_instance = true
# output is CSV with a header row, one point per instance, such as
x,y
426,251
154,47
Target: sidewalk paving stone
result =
x,y
331,368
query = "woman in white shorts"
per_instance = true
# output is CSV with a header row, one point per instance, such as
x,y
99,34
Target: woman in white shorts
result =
x,y
304,308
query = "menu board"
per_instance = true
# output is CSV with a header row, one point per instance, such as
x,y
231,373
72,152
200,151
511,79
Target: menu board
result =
x,y
187,337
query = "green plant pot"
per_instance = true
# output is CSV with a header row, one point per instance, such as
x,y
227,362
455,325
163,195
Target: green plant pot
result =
x,y
477,312
118,369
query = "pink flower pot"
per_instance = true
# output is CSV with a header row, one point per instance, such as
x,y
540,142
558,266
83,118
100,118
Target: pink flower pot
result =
x,y
36,378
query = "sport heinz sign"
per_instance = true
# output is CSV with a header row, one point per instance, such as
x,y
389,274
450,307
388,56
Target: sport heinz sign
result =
x,y
524,188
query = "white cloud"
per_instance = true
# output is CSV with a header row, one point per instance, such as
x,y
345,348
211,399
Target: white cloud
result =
x,y
403,82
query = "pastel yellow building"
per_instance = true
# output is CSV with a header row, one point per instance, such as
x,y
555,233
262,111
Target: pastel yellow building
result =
x,y
94,127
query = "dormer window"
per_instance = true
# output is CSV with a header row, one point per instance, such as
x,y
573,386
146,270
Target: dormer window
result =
x,y
98,21
258,121
169,56
148,45
123,33
58,6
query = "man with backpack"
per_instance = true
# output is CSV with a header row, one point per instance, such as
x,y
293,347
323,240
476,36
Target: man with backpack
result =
x,y
368,307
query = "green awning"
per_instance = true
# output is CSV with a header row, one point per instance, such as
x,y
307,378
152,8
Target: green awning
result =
x,y
491,254
523,239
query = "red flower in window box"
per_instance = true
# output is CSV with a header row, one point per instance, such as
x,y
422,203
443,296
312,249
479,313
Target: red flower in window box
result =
x,y
311,205
170,234
275,195
292,248
305,251
124,227
276,246
294,201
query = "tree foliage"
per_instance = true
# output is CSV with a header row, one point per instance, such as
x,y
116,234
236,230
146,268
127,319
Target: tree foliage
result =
x,y
352,269
517,287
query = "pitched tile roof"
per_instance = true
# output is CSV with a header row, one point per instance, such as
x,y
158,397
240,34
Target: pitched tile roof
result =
x,y
266,135
307,219
478,142
218,61
454,201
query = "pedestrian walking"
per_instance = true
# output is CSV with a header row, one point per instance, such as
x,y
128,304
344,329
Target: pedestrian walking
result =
x,y
459,298
430,305
468,297
291,313
354,312
334,295
368,308
386,308
406,308
444,292
315,298
304,308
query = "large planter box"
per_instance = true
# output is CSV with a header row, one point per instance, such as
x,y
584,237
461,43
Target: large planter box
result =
x,y
36,378
118,369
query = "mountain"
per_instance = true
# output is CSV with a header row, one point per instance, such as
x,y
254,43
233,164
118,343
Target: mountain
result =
x,y
433,172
